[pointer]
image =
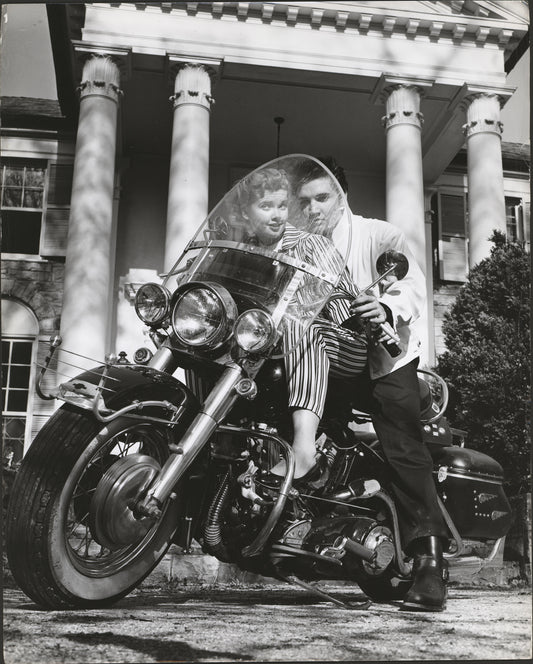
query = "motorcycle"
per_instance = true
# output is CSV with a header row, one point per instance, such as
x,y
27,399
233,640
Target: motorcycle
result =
x,y
138,458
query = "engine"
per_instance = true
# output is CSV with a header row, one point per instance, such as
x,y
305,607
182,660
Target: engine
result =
x,y
354,544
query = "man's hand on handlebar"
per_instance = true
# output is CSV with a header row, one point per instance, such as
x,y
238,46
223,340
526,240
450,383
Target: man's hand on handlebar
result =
x,y
368,308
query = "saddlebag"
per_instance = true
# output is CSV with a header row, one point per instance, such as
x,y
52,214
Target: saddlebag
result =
x,y
470,485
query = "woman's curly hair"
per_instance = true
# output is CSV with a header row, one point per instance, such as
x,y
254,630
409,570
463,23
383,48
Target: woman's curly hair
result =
x,y
253,186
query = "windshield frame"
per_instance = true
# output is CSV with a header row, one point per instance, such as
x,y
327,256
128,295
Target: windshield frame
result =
x,y
277,256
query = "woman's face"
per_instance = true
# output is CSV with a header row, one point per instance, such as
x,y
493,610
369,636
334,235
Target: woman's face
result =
x,y
267,216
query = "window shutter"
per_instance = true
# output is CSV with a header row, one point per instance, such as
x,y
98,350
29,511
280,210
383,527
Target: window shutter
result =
x,y
54,237
527,221
452,242
60,184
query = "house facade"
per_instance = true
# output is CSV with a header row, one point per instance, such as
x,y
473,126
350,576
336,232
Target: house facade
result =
x,y
162,106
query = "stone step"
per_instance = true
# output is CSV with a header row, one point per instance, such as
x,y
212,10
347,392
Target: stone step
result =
x,y
197,568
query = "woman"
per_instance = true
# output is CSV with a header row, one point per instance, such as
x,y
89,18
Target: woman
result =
x,y
263,203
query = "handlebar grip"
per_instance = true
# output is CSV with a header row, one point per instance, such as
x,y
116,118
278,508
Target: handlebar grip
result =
x,y
392,349
354,324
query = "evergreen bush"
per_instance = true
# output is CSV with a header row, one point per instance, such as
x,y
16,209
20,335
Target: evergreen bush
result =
x,y
487,361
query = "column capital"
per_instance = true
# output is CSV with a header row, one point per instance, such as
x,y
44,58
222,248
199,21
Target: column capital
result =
x,y
401,95
389,82
192,79
403,107
100,77
482,106
469,92
120,57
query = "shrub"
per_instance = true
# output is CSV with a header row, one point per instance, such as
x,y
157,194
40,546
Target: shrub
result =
x,y
487,361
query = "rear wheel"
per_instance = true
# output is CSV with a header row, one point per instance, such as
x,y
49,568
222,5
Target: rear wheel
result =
x,y
378,579
72,539
384,588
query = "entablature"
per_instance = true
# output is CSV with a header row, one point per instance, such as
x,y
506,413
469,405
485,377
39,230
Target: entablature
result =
x,y
344,38
461,22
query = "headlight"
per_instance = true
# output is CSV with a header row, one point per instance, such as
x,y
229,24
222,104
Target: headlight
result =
x,y
203,316
152,303
255,331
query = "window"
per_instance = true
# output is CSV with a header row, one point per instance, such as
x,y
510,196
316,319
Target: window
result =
x,y
16,371
517,220
22,207
452,253
20,329
35,199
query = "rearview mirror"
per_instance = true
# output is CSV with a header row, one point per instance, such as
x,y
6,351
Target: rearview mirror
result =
x,y
393,259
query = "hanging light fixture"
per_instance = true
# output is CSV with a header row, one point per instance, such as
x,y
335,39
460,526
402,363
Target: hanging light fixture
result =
x,y
279,121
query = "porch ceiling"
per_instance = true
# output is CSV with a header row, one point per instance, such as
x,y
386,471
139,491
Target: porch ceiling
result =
x,y
323,114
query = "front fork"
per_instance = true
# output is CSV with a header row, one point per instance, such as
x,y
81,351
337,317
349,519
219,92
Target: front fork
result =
x,y
235,381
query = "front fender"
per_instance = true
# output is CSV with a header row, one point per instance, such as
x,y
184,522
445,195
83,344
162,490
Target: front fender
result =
x,y
124,385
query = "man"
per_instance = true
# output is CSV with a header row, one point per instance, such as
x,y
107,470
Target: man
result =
x,y
392,381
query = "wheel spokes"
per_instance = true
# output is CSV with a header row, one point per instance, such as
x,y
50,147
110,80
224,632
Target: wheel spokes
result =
x,y
84,547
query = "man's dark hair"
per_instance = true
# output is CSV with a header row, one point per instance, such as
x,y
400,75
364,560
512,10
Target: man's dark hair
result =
x,y
308,170
338,171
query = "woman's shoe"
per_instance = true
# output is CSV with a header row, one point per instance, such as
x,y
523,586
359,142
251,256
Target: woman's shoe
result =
x,y
316,477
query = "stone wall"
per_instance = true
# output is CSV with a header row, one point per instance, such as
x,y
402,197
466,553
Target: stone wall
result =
x,y
39,285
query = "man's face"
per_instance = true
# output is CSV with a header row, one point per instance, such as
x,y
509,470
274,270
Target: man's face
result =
x,y
267,216
318,198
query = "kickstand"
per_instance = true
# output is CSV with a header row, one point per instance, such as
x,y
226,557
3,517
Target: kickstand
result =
x,y
357,606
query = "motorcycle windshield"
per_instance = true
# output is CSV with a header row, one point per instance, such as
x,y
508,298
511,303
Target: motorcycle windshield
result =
x,y
268,242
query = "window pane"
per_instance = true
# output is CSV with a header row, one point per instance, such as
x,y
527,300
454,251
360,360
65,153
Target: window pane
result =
x,y
19,377
3,399
12,197
21,232
13,176
17,401
5,352
512,213
34,177
4,376
452,215
21,352
33,198
13,429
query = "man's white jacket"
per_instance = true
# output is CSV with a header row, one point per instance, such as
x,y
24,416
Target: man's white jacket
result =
x,y
406,299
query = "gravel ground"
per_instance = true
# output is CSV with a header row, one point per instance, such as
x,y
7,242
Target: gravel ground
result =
x,y
278,623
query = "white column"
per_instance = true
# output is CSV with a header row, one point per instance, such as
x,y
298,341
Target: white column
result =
x,y
88,265
405,206
486,200
189,161
404,179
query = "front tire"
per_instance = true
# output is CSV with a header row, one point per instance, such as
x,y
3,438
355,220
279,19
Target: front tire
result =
x,y
61,555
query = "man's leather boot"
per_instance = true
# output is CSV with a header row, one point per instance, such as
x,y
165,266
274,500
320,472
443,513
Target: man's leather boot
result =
x,y
430,574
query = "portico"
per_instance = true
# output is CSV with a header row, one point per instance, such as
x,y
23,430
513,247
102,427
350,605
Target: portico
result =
x,y
387,93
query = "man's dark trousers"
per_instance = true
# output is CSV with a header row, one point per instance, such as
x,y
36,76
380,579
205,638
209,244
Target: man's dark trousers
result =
x,y
395,407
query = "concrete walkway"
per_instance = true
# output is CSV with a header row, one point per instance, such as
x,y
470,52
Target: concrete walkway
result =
x,y
223,624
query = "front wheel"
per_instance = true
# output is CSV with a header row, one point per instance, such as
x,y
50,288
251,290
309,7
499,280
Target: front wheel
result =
x,y
71,537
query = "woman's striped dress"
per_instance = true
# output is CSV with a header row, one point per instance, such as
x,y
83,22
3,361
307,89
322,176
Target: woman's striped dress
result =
x,y
325,347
